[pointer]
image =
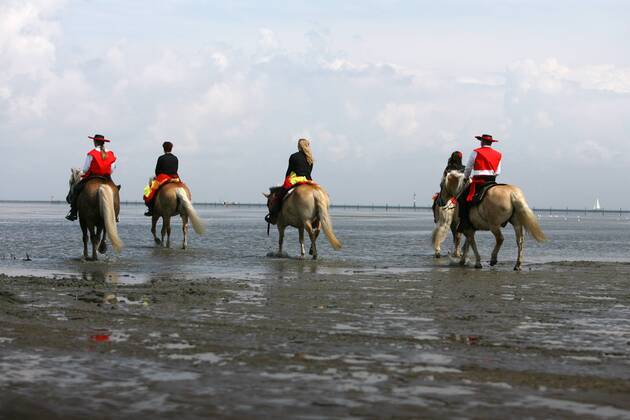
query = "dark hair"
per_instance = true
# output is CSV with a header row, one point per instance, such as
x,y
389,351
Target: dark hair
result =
x,y
168,146
456,158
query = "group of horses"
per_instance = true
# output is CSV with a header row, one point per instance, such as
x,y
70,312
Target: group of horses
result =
x,y
305,207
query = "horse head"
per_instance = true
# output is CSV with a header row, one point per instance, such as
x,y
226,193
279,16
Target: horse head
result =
x,y
454,183
273,191
75,177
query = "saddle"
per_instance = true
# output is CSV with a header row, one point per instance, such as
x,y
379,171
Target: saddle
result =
x,y
480,192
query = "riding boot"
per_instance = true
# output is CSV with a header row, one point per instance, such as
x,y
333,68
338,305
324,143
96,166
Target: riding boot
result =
x,y
72,214
149,211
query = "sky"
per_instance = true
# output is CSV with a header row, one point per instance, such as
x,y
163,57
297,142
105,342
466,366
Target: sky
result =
x,y
384,89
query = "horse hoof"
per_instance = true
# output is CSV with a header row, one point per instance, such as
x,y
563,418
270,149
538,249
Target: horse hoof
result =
x,y
158,242
493,263
438,255
478,265
102,248
517,268
310,251
314,257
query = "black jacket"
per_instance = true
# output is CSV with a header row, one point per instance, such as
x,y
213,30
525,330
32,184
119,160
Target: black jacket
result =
x,y
167,164
299,165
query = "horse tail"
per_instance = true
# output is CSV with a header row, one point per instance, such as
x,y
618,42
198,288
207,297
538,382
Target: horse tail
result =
x,y
108,213
526,217
187,209
322,203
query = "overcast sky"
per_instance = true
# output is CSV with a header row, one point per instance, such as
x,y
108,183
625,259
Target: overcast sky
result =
x,y
384,89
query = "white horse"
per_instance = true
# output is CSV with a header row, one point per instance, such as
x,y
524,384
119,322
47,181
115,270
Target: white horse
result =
x,y
446,215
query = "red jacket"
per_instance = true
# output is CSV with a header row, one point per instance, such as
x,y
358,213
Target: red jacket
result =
x,y
100,166
487,162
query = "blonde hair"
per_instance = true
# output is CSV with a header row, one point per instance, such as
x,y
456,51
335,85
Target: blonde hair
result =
x,y
101,145
304,146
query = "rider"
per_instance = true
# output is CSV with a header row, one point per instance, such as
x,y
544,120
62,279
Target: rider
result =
x,y
483,166
165,169
454,164
99,162
299,171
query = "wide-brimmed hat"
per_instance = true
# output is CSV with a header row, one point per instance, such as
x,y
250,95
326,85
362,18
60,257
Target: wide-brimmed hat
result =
x,y
99,137
486,137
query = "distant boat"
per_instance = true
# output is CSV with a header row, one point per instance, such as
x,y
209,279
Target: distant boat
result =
x,y
596,206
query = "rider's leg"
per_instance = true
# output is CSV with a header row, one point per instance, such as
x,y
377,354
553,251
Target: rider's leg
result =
x,y
72,214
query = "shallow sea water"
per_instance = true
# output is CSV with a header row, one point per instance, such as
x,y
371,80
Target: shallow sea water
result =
x,y
379,329
235,244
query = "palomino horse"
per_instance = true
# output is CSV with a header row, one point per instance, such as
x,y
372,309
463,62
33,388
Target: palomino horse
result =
x,y
98,204
306,207
173,198
447,215
501,204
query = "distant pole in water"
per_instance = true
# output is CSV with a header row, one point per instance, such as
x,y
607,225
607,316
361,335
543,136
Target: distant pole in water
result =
x,y
414,201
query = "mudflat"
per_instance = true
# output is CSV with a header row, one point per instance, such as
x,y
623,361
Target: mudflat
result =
x,y
551,341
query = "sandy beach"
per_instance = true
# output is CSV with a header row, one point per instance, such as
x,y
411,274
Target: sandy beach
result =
x,y
550,342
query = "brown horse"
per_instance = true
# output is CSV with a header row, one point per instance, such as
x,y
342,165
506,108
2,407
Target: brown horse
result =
x,y
98,204
172,199
501,204
304,208
446,216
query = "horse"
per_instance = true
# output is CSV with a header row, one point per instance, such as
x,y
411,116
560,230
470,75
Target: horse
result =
x,y
174,198
98,204
304,208
447,216
501,204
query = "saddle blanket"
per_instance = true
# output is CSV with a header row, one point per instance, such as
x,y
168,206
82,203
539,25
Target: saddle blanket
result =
x,y
155,184
479,191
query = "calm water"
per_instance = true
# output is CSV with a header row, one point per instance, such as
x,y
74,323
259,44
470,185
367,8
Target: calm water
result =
x,y
236,245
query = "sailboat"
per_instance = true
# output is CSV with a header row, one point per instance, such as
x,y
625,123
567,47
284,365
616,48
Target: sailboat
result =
x,y
596,206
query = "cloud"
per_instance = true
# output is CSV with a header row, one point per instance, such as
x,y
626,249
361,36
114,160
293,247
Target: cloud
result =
x,y
239,104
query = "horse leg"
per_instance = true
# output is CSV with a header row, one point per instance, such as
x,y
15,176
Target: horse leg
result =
x,y
316,231
498,236
462,261
94,239
102,246
301,231
85,241
280,238
473,245
312,234
185,230
166,230
154,221
457,238
520,239
440,231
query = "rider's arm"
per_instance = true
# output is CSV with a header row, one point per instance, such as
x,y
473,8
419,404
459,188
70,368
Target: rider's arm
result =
x,y
86,165
498,171
290,168
470,165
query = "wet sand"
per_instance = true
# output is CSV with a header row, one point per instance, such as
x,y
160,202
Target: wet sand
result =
x,y
552,341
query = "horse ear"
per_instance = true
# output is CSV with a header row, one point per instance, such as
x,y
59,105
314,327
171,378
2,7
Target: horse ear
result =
x,y
266,195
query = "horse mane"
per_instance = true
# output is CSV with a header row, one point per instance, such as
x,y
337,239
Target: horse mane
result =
x,y
454,182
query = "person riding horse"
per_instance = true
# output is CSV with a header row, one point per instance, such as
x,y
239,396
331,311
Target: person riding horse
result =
x,y
165,170
298,172
483,165
99,162
454,164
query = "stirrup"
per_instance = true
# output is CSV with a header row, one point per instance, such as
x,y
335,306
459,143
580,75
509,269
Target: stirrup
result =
x,y
148,213
71,217
270,219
